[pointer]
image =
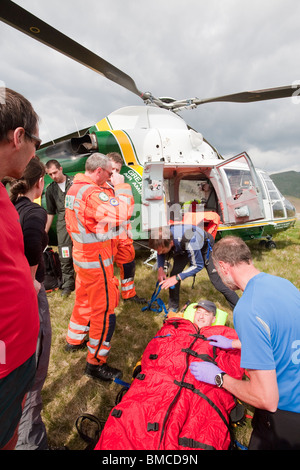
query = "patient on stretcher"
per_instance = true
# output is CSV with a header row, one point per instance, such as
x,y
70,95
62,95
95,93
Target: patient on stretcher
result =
x,y
166,408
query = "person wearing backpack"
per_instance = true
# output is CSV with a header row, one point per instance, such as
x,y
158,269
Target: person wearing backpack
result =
x,y
53,273
55,201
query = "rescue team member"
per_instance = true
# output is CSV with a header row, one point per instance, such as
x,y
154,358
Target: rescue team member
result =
x,y
267,321
91,218
188,244
55,201
124,254
19,316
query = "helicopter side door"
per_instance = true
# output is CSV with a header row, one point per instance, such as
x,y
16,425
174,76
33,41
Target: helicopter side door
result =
x,y
240,193
153,196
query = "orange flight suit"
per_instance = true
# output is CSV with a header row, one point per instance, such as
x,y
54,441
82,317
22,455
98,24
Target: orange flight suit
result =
x,y
209,219
91,218
124,254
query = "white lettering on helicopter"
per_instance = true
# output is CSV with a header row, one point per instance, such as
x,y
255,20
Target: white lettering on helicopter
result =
x,y
137,187
130,174
134,179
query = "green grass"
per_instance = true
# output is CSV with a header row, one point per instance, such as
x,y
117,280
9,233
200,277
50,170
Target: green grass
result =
x,y
68,393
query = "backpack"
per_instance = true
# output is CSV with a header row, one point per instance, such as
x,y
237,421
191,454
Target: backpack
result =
x,y
53,273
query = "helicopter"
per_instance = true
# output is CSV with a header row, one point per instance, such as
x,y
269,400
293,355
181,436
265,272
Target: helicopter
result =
x,y
175,174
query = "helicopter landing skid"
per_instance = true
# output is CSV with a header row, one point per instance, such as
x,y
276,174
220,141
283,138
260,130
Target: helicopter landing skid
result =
x,y
153,256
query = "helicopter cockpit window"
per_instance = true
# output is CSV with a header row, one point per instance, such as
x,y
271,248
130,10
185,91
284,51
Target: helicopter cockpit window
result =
x,y
239,180
275,197
290,209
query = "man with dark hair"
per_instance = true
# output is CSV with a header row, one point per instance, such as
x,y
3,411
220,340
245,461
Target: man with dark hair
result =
x,y
189,244
124,252
55,200
19,318
267,321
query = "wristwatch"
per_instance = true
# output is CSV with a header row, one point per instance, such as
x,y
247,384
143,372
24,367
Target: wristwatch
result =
x,y
178,278
219,379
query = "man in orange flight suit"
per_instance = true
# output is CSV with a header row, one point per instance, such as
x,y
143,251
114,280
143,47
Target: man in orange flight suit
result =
x,y
124,253
91,219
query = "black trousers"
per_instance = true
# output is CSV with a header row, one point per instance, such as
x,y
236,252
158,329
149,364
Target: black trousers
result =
x,y
66,260
180,262
275,431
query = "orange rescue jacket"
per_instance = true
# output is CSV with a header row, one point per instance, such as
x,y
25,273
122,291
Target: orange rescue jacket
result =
x,y
92,217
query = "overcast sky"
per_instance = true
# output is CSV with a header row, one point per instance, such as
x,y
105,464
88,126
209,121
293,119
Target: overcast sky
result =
x,y
171,48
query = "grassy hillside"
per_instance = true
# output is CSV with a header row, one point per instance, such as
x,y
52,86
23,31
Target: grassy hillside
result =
x,y
288,183
68,393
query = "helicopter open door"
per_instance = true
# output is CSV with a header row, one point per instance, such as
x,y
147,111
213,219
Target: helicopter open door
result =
x,y
240,192
153,196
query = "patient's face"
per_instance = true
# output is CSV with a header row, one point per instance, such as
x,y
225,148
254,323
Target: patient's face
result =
x,y
203,317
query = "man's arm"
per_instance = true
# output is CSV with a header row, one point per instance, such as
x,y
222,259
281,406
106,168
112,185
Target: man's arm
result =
x,y
110,213
261,391
196,262
161,275
50,218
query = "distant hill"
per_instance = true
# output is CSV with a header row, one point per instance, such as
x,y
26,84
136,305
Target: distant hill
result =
x,y
288,183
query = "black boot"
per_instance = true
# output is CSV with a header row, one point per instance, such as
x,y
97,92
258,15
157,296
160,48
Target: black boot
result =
x,y
74,347
137,299
103,372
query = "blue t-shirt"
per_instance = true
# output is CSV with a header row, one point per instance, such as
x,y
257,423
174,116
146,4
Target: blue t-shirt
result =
x,y
267,321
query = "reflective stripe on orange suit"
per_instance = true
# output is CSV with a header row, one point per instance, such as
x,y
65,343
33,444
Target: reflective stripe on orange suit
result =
x,y
125,260
91,217
124,254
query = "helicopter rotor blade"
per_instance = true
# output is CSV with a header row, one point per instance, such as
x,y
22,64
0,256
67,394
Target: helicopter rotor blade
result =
x,y
24,21
27,23
243,97
252,96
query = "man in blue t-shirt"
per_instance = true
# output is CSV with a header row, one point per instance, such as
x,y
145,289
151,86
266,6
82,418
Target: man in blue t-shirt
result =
x,y
267,321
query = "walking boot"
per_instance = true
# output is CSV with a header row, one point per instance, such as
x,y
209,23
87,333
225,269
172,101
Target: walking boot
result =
x,y
102,372
136,299
74,347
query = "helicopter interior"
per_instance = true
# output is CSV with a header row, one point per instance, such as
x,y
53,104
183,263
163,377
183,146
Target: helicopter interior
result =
x,y
190,193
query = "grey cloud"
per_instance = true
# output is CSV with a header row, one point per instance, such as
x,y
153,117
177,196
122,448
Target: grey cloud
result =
x,y
199,49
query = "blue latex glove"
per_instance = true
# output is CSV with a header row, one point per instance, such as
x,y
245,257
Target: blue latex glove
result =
x,y
205,371
220,341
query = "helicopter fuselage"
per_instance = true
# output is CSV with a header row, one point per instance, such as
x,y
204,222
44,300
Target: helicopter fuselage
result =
x,y
173,170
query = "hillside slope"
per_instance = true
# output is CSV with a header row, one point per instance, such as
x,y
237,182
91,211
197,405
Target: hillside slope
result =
x,y
288,183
